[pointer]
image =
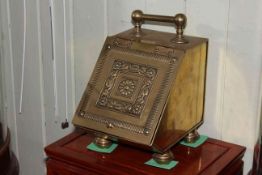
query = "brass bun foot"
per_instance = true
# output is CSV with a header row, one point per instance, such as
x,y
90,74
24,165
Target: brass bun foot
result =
x,y
192,137
102,141
164,158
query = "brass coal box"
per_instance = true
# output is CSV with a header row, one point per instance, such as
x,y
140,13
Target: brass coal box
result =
x,y
147,87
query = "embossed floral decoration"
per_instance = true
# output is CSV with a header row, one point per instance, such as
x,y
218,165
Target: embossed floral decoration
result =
x,y
127,87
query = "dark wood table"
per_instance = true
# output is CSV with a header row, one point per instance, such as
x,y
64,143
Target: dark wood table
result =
x,y
69,156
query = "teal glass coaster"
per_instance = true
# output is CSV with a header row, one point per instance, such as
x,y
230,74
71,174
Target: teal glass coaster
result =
x,y
197,143
95,148
168,166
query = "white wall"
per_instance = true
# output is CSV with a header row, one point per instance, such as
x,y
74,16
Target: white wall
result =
x,y
39,92
1,75
57,68
2,117
27,123
242,76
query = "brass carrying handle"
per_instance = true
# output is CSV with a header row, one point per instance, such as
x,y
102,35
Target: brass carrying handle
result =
x,y
179,20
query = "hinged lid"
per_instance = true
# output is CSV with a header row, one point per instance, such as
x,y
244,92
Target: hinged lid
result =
x,y
128,89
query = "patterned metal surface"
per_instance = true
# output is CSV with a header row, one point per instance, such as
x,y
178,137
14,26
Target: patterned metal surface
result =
x,y
128,80
128,86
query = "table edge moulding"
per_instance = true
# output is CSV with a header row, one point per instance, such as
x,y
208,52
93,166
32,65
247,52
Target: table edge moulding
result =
x,y
69,155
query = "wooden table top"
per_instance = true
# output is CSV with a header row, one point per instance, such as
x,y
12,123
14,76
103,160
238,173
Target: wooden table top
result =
x,y
213,157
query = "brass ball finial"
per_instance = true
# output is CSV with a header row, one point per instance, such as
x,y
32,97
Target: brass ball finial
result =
x,y
137,16
180,21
